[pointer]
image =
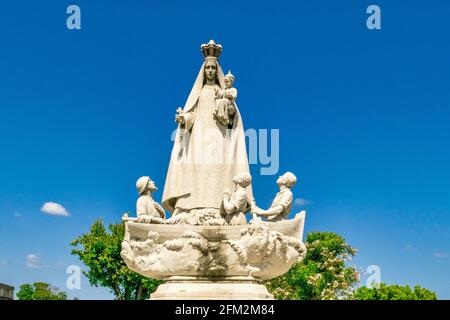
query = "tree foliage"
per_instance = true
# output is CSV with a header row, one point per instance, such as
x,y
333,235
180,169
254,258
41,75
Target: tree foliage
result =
x,y
40,291
394,292
323,274
100,250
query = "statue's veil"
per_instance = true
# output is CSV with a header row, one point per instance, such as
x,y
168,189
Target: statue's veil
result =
x,y
198,85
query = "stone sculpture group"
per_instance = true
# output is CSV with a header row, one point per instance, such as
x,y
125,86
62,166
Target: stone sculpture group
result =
x,y
207,249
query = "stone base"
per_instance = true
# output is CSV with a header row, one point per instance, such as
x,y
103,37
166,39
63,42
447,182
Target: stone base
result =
x,y
198,289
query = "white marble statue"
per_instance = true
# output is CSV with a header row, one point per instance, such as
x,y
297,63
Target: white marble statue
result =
x,y
206,154
282,203
225,101
235,204
206,249
148,210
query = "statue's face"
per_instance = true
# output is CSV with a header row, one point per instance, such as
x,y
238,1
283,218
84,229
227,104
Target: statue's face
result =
x,y
281,180
151,186
228,82
210,70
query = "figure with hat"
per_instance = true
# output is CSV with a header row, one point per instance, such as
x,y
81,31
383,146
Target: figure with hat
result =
x,y
148,210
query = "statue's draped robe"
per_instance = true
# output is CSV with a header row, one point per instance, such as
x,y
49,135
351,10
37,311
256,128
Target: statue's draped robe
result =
x,y
206,155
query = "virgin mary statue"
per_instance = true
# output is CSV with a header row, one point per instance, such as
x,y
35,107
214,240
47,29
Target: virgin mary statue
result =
x,y
206,155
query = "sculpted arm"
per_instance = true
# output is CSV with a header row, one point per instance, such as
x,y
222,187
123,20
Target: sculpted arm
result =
x,y
186,119
228,206
141,207
160,209
279,207
219,93
271,211
236,203
232,94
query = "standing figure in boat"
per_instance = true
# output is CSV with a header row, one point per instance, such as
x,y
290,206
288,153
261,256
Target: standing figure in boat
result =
x,y
207,153
282,204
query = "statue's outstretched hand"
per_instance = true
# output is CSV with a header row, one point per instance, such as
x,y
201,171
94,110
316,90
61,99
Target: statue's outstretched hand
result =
x,y
144,218
179,118
255,211
254,208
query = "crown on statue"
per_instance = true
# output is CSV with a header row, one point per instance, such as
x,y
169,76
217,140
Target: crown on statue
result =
x,y
211,50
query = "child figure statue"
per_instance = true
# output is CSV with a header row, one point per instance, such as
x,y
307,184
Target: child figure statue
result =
x,y
148,210
225,101
282,204
235,204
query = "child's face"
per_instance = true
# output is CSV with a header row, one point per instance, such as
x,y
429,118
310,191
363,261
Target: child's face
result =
x,y
228,82
281,180
151,186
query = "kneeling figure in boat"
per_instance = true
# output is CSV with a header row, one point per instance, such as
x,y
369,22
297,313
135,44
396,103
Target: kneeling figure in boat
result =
x,y
282,203
235,204
148,210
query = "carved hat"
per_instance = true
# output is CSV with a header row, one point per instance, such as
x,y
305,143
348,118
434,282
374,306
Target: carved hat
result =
x,y
142,183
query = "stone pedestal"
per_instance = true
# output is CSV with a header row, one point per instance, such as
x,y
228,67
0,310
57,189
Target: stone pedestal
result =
x,y
213,262
228,288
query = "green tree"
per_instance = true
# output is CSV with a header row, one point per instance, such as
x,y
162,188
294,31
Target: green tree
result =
x,y
25,292
322,275
100,250
40,291
393,292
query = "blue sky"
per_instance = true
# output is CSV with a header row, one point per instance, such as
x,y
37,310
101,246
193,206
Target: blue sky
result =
x,y
363,118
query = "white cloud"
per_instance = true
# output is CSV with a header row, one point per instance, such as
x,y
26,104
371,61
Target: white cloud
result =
x,y
302,202
33,261
440,254
54,209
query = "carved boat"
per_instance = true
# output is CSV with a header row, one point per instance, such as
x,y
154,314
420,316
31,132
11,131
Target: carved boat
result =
x,y
292,228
